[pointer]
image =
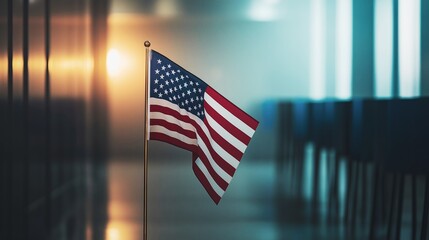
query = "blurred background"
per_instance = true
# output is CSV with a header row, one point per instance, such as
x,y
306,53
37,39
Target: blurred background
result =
x,y
325,78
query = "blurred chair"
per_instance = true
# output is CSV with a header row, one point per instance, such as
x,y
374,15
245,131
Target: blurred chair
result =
x,y
407,143
284,142
362,146
299,141
340,138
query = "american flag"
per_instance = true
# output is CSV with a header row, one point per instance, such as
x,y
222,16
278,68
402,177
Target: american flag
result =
x,y
186,112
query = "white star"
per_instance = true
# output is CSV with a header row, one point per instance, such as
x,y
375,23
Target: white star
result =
x,y
177,79
163,68
178,96
183,104
175,89
185,85
199,90
196,83
166,91
187,76
186,101
195,90
183,94
189,92
170,99
173,72
199,105
161,86
168,74
198,113
171,80
189,108
162,76
178,71
181,77
169,66
195,107
192,100
192,83
156,81
174,97
160,95
159,61
167,82
156,71
171,90
155,90
180,87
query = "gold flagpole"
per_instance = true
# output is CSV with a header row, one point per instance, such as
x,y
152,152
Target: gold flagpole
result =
x,y
146,132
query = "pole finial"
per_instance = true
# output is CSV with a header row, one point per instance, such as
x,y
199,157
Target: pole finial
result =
x,y
147,44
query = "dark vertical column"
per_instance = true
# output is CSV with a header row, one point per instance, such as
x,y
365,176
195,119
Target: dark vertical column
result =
x,y
395,53
424,51
48,163
9,127
363,48
25,95
99,123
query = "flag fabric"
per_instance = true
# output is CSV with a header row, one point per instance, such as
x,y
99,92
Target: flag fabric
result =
x,y
186,112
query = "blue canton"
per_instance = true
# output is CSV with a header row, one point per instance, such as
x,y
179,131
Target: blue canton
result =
x,y
172,83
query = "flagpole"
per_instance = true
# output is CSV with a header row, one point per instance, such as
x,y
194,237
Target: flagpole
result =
x,y
146,147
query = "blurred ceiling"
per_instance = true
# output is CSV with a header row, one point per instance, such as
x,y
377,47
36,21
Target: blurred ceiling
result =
x,y
262,10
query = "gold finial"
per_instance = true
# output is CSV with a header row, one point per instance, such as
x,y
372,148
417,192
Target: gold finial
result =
x,y
147,44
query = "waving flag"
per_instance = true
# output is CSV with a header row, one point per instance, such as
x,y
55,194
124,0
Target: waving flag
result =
x,y
186,112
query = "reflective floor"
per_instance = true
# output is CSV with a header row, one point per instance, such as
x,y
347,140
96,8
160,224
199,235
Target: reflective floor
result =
x,y
180,208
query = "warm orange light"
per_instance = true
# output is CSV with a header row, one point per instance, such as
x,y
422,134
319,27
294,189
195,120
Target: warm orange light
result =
x,y
115,62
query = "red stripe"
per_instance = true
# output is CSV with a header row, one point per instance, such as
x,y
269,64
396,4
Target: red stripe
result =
x,y
246,118
227,146
220,161
172,112
216,198
226,124
222,183
165,138
173,127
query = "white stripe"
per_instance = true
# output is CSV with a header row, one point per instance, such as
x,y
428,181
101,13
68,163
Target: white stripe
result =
x,y
229,116
219,191
172,120
225,134
220,171
173,134
224,175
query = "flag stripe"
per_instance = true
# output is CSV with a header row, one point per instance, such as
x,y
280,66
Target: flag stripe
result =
x,y
173,120
219,154
174,141
220,171
209,178
173,134
215,175
232,109
203,180
227,146
173,127
215,164
227,165
225,124
225,134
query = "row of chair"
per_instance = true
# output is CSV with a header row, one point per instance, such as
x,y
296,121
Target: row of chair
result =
x,y
381,142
